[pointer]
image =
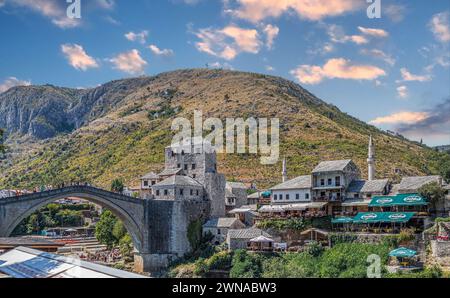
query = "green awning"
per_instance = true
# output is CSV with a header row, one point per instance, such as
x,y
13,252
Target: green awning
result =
x,y
266,194
340,220
403,252
384,217
398,200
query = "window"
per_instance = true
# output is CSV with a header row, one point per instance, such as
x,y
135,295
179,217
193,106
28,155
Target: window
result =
x,y
197,192
356,195
194,166
181,191
157,192
306,196
166,192
287,197
192,192
145,183
182,152
281,197
193,176
330,181
275,197
178,165
322,182
322,194
186,167
218,231
297,196
338,181
153,182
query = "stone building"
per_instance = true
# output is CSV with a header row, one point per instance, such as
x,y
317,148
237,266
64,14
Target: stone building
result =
x,y
219,227
235,195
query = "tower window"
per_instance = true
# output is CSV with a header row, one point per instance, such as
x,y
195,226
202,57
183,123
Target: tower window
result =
x,y
194,166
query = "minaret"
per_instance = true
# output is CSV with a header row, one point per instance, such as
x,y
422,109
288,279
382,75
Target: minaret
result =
x,y
371,160
284,171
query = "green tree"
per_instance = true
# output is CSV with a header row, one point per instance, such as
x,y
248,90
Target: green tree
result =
x,y
104,229
69,218
119,231
126,247
117,185
433,192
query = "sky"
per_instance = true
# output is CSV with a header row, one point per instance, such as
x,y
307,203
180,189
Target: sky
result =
x,y
392,72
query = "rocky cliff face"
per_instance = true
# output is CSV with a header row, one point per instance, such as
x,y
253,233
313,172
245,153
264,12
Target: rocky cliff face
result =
x,y
43,112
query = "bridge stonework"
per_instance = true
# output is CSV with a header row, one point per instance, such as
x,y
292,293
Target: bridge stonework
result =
x,y
159,228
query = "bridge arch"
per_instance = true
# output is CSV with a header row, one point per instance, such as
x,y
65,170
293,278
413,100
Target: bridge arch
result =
x,y
129,210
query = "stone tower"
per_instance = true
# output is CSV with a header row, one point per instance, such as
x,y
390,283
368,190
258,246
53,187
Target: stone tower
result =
x,y
371,160
200,164
284,171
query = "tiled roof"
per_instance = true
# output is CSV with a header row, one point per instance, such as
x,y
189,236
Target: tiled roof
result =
x,y
300,182
367,186
150,175
414,183
223,222
229,193
179,181
331,166
169,172
247,233
236,185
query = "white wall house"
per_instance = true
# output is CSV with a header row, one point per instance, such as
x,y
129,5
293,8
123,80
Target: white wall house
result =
x,y
292,191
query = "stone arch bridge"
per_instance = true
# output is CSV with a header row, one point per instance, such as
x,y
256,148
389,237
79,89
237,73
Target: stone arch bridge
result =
x,y
158,227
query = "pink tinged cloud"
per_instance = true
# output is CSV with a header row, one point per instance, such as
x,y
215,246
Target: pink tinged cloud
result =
x,y
401,118
130,62
271,32
380,33
409,77
77,57
228,42
402,91
337,68
160,52
440,26
139,37
258,10
12,82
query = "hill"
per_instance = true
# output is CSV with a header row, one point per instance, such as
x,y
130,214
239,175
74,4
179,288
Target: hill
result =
x,y
120,129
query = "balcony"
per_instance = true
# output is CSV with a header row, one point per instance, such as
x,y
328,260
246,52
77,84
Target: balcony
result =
x,y
327,199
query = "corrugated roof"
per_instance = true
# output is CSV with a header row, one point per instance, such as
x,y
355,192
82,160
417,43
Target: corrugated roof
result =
x,y
246,233
151,175
223,222
179,181
25,262
412,184
367,186
356,202
331,166
300,182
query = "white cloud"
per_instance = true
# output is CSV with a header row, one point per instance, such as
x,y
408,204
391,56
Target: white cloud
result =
x,y
270,68
401,118
440,26
337,68
402,91
139,37
220,65
77,57
130,62
380,33
271,32
157,51
258,10
106,4
409,77
53,9
394,12
380,55
337,35
228,42
12,82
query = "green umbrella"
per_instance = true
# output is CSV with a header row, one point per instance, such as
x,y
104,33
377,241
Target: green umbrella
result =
x,y
403,252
